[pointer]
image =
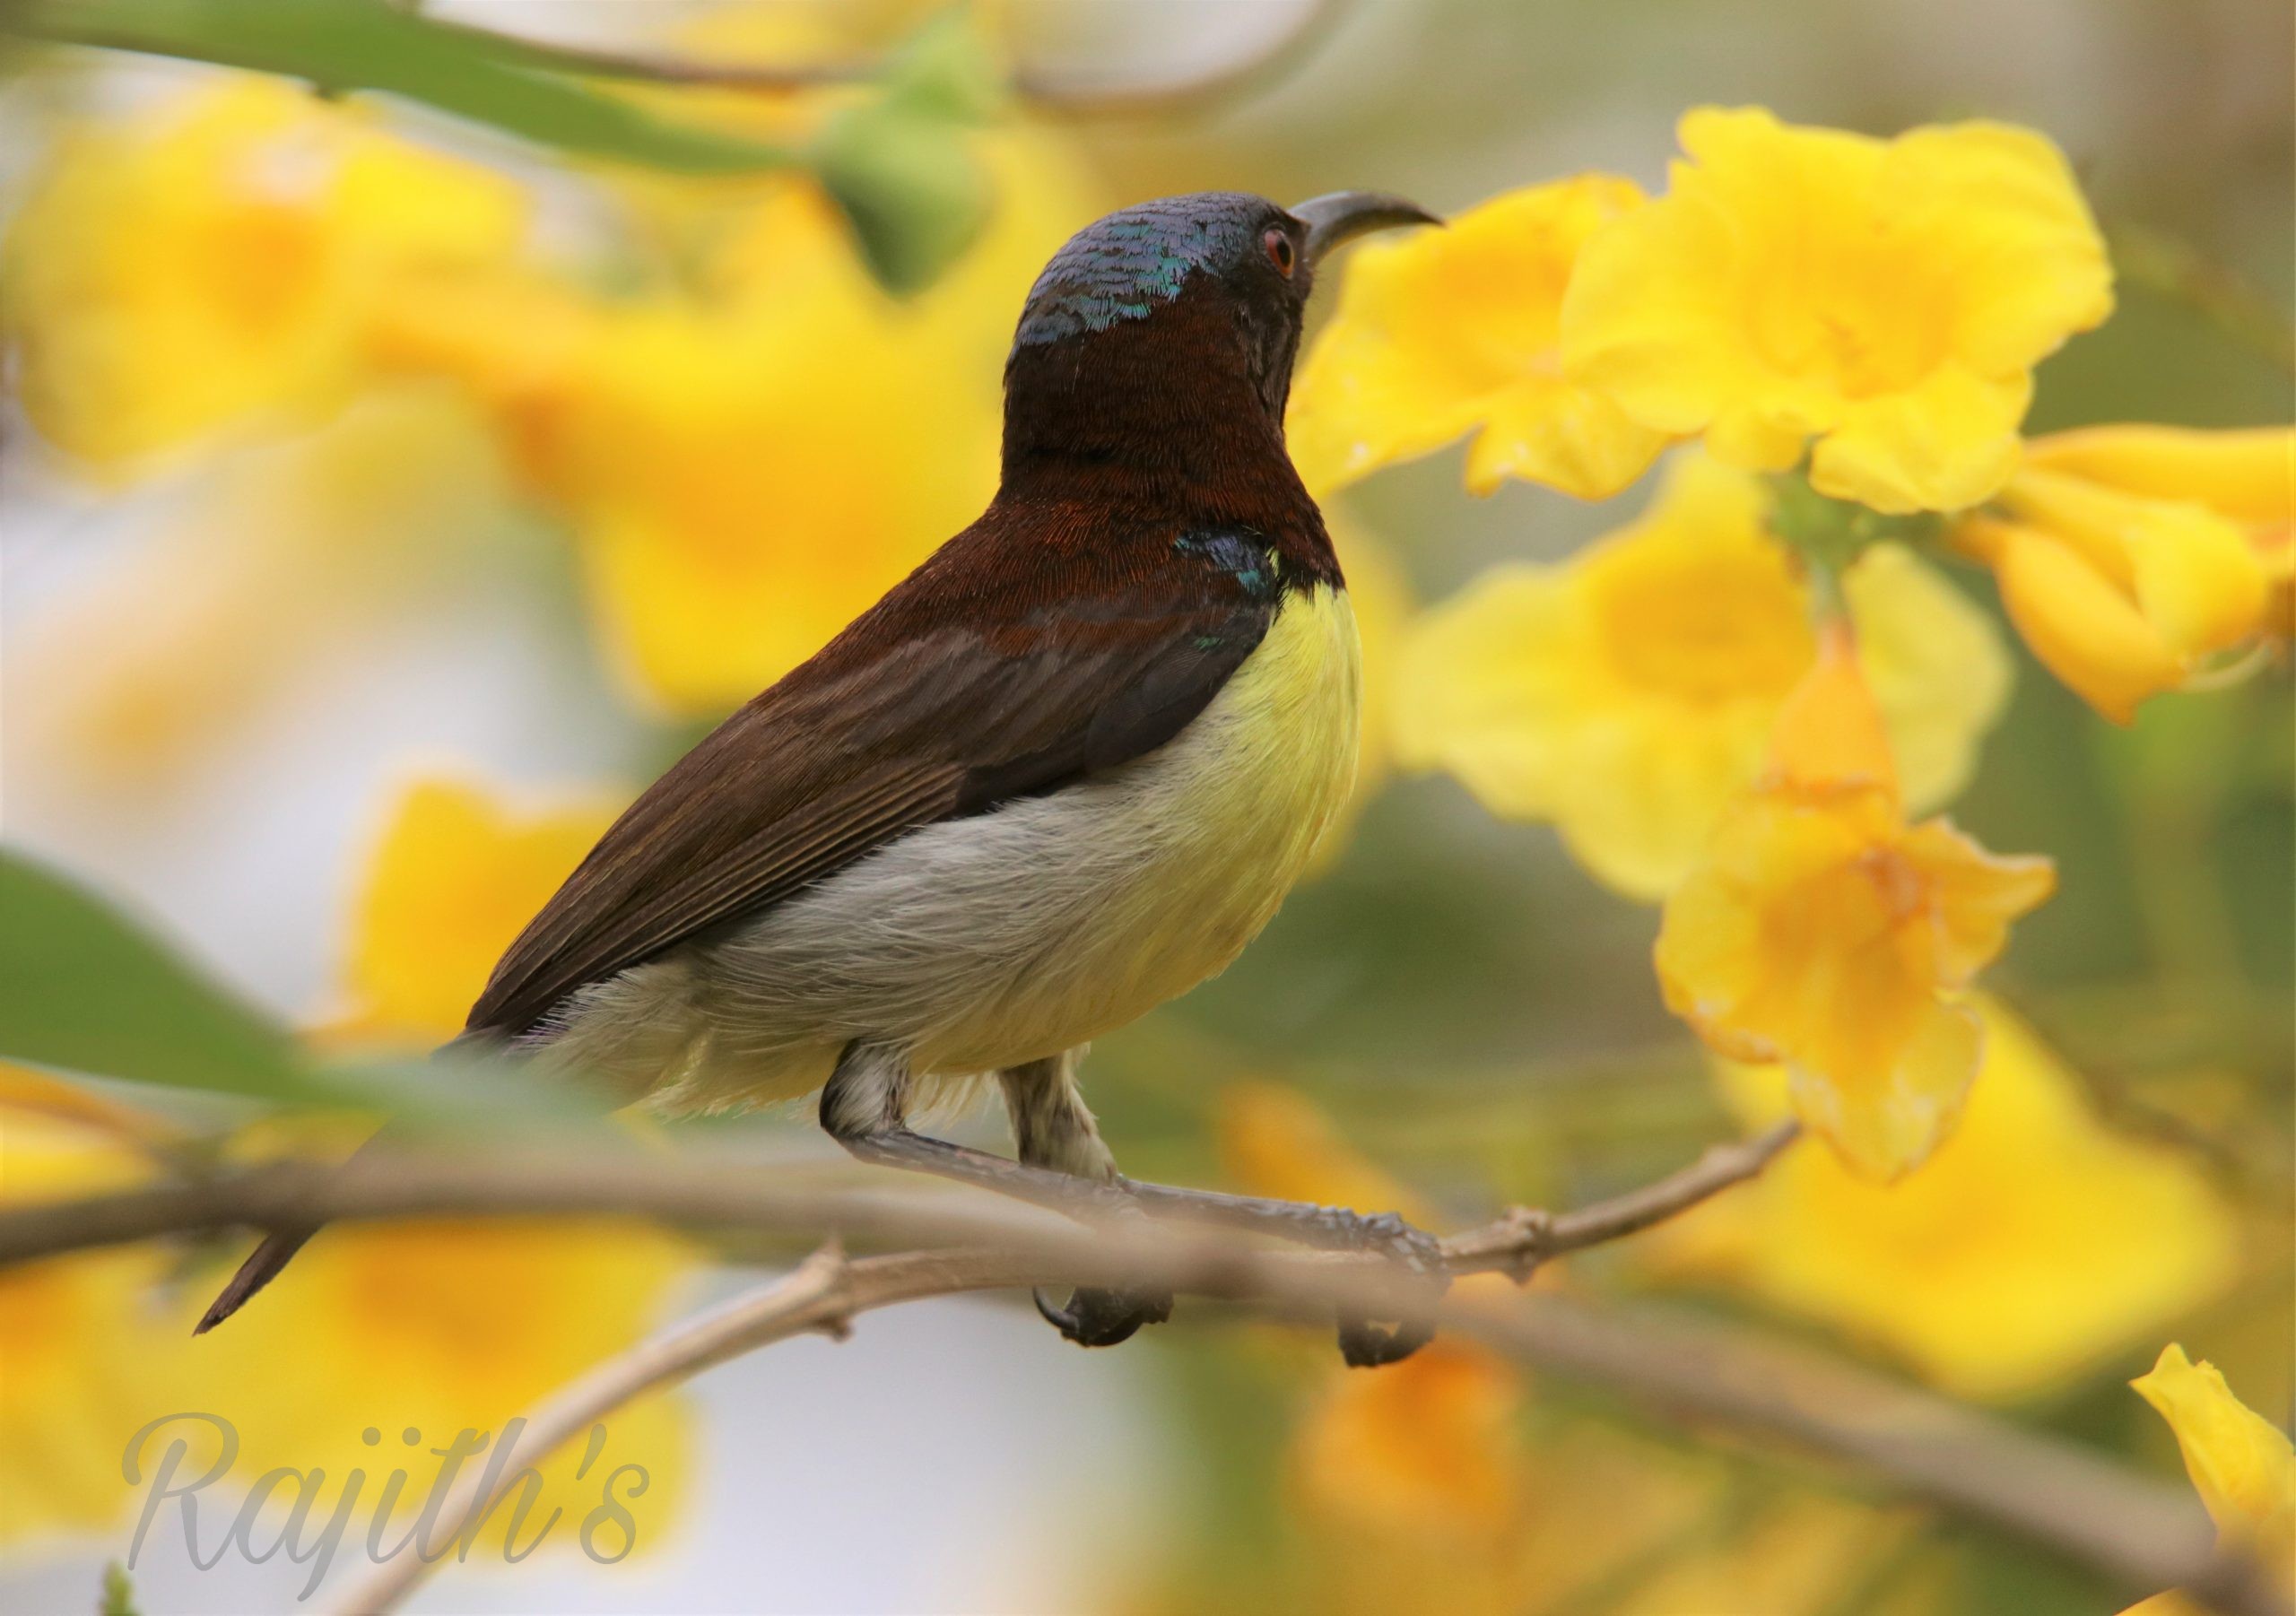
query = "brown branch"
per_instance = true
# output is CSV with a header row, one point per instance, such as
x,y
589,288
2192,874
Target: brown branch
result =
x,y
2143,1535
696,1192
1069,96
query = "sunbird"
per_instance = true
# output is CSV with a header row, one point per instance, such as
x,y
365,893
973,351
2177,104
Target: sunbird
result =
x,y
1061,773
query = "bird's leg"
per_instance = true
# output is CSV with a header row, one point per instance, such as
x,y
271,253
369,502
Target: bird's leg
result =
x,y
864,1107
1052,1128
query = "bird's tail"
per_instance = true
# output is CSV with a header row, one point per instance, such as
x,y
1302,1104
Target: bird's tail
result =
x,y
278,1249
281,1245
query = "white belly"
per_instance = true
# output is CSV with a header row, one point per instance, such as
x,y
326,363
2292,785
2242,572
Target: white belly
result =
x,y
1012,935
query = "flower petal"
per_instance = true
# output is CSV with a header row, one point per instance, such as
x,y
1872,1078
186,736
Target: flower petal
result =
x,y
2249,475
1936,664
1946,443
1440,331
1887,1117
2085,632
1475,676
1543,429
2028,262
2241,1464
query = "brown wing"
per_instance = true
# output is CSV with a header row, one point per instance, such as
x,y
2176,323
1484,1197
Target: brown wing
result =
x,y
995,672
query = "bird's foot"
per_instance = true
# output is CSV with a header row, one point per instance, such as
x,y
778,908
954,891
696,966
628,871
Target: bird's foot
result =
x,y
1364,1344
1097,1317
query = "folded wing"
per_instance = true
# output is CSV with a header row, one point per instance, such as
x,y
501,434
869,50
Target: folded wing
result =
x,y
998,670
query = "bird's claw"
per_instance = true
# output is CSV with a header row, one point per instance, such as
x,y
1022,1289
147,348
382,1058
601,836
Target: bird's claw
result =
x,y
1097,1317
1366,1345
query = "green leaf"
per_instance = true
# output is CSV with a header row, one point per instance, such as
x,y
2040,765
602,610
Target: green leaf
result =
x,y
83,989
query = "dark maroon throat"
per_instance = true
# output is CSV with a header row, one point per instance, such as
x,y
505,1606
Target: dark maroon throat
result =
x,y
1162,418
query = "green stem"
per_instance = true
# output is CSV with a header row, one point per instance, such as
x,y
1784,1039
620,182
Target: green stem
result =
x,y
352,45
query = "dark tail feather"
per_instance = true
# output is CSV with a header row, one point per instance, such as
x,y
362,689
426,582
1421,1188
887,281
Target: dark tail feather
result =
x,y
279,1247
275,1253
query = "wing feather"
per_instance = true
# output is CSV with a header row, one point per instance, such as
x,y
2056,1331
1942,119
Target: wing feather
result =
x,y
927,709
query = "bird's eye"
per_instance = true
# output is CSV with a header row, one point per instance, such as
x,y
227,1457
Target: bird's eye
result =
x,y
1279,250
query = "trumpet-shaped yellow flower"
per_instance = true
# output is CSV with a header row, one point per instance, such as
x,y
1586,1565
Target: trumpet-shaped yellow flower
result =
x,y
2126,555
747,470
1441,333
2240,1463
1880,303
1822,930
2035,1242
1627,694
219,256
456,875
745,484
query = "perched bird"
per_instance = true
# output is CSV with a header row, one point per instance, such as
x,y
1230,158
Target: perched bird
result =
x,y
1060,774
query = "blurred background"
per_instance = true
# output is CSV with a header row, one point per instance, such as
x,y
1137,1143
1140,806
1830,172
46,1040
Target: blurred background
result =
x,y
385,499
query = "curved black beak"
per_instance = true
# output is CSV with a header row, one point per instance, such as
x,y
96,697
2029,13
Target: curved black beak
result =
x,y
1344,215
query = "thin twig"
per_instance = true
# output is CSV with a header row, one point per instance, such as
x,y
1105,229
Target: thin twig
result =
x,y
1066,96
820,1295
2174,270
1522,1239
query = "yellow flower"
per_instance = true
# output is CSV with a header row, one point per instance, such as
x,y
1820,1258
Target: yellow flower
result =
x,y
454,877
1822,930
1886,298
77,1377
439,1328
1627,693
2241,1461
218,256
2035,1241
1445,332
2126,555
744,484
748,470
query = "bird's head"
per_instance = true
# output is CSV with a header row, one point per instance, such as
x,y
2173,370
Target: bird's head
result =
x,y
1172,325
